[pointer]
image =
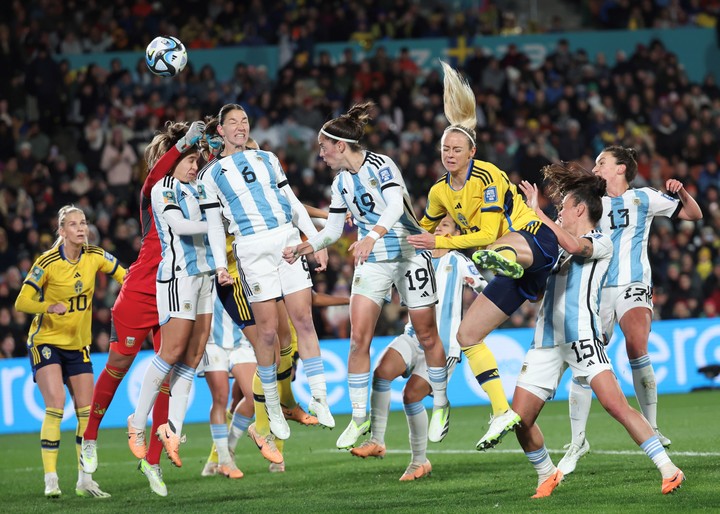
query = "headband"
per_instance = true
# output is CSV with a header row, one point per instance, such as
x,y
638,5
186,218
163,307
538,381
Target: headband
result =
x,y
331,136
458,127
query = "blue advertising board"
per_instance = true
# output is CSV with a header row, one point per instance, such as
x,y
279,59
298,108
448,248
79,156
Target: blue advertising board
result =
x,y
677,350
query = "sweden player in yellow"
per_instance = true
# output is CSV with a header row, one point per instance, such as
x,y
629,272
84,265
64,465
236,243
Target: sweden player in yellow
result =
x,y
512,242
59,291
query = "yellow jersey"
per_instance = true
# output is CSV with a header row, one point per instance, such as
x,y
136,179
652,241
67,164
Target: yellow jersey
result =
x,y
486,207
55,279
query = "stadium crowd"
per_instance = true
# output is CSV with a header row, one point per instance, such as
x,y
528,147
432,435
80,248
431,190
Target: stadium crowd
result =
x,y
78,136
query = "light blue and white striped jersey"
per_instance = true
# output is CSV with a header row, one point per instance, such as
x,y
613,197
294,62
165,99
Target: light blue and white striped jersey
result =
x,y
186,255
570,310
451,270
224,331
247,186
627,220
362,193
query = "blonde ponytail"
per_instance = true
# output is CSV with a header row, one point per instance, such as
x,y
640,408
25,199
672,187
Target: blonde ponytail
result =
x,y
459,103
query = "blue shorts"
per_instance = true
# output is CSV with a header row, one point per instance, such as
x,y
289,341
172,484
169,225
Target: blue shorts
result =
x,y
72,362
235,302
509,294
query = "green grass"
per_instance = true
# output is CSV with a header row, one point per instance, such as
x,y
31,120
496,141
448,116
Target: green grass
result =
x,y
615,477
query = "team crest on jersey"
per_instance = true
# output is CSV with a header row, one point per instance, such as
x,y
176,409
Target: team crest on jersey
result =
x,y
448,268
37,273
78,286
373,182
169,197
637,201
385,175
201,192
187,306
129,342
46,353
490,194
463,220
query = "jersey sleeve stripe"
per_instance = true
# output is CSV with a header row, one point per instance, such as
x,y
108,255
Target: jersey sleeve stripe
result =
x,y
49,259
282,184
677,211
172,207
338,210
391,184
117,263
205,207
33,285
491,209
434,218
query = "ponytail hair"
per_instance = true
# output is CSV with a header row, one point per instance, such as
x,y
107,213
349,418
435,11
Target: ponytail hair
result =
x,y
62,214
349,127
459,104
569,178
164,140
628,157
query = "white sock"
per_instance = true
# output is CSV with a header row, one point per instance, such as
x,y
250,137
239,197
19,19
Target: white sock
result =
x,y
379,408
237,429
315,374
579,402
83,477
268,378
358,386
155,375
180,384
659,456
645,387
417,420
220,438
541,461
438,383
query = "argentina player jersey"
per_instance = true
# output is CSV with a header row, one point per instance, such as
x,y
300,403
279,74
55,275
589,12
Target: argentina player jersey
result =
x,y
570,309
627,219
247,186
362,193
182,255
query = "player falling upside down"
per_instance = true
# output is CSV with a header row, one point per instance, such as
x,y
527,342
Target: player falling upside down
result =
x,y
627,293
59,291
404,357
134,313
568,331
372,188
493,216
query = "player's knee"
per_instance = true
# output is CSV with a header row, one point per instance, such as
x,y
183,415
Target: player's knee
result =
x,y
412,395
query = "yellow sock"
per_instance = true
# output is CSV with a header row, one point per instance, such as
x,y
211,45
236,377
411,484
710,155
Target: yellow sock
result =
x,y
228,417
484,367
284,377
50,439
262,422
507,252
280,444
83,414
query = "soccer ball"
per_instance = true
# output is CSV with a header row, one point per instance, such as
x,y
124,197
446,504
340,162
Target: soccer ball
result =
x,y
166,56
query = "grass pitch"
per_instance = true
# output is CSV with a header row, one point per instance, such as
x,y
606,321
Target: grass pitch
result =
x,y
615,476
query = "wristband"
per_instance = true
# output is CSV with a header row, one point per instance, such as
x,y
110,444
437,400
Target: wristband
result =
x,y
373,235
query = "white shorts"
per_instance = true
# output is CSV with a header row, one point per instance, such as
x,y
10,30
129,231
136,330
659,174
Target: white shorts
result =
x,y
543,367
414,357
615,301
185,297
413,278
217,358
267,275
